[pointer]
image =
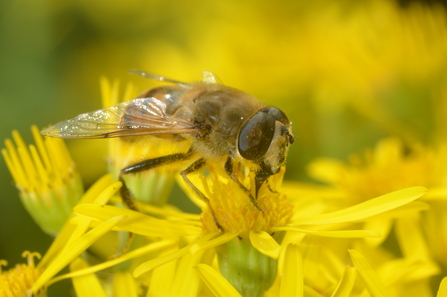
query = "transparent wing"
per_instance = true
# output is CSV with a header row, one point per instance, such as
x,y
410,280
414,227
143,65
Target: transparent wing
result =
x,y
142,116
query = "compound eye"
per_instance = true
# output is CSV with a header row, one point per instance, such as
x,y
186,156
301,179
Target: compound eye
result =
x,y
256,135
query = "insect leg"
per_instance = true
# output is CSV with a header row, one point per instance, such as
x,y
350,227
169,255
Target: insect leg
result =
x,y
139,167
270,188
229,170
144,166
191,168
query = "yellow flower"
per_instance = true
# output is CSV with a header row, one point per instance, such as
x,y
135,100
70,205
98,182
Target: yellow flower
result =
x,y
46,177
75,239
77,235
17,281
375,280
388,167
252,242
253,256
72,240
336,59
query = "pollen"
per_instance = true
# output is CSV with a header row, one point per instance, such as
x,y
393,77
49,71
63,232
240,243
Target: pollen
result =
x,y
18,280
233,210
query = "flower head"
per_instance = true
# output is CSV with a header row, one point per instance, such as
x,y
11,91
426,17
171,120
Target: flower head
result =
x,y
18,281
390,166
252,241
231,208
46,177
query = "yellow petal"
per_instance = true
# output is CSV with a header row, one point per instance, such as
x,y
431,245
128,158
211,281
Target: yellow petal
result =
x,y
102,197
413,244
406,270
124,285
346,284
374,285
337,234
162,277
107,193
382,227
436,193
80,230
187,281
366,209
442,292
216,282
67,230
74,250
402,211
167,211
151,264
264,243
292,273
136,222
212,242
150,248
98,187
86,285
310,292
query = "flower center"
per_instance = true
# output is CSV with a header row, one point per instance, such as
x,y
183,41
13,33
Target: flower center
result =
x,y
19,280
235,212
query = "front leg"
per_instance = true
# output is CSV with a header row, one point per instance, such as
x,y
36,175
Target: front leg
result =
x,y
191,168
229,170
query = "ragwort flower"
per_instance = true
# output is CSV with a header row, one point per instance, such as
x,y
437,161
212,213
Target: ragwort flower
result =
x,y
388,167
294,246
71,241
245,243
46,177
17,281
248,249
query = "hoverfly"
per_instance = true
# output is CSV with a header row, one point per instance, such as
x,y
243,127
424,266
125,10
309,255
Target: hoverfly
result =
x,y
223,124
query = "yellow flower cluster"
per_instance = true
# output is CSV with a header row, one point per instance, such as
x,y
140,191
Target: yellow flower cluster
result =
x,y
374,225
308,240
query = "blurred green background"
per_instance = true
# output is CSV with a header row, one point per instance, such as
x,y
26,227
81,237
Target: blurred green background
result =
x,y
348,73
